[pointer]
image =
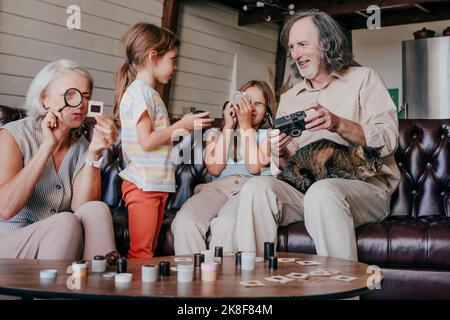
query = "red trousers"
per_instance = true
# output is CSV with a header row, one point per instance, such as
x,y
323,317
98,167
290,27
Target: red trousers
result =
x,y
145,216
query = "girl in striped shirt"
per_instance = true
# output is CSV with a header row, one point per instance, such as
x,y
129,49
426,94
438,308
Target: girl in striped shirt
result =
x,y
146,132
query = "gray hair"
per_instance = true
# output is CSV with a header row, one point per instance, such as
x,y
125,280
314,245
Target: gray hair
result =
x,y
44,78
334,48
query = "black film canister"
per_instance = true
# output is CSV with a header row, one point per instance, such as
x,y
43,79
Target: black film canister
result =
x,y
269,250
238,258
122,265
164,268
198,259
273,263
218,252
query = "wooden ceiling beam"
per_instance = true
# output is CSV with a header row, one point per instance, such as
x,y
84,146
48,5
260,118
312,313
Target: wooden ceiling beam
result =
x,y
334,8
438,12
349,6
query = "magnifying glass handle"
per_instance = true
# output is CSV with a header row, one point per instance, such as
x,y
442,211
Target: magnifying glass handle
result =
x,y
59,110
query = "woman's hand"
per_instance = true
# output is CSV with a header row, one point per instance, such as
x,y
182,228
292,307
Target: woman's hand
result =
x,y
53,133
104,135
229,116
244,114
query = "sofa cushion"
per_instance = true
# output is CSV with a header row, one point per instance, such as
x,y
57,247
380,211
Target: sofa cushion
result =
x,y
398,241
402,241
295,238
412,284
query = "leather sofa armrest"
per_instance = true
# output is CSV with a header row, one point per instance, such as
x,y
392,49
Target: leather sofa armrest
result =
x,y
8,114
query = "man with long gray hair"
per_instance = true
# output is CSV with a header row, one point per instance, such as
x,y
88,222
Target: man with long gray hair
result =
x,y
344,103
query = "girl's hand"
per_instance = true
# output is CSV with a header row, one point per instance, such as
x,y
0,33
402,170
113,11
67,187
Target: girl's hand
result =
x,y
197,121
53,133
104,135
244,114
278,141
229,116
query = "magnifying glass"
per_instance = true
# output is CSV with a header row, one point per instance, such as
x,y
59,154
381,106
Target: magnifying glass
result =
x,y
73,98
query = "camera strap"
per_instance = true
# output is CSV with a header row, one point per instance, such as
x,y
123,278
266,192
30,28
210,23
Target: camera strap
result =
x,y
269,116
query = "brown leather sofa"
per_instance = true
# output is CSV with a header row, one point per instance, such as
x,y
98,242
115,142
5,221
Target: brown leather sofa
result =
x,y
412,245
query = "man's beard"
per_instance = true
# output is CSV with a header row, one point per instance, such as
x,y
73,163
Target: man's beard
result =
x,y
309,72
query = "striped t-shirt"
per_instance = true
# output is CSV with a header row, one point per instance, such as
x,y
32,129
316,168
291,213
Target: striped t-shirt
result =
x,y
53,191
148,170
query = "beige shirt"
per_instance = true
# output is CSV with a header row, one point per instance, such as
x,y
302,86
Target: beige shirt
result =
x,y
358,95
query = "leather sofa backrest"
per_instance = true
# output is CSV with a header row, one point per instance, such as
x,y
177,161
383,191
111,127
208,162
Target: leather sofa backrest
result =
x,y
423,157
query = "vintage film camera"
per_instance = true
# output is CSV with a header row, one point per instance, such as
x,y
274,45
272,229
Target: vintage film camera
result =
x,y
237,95
292,124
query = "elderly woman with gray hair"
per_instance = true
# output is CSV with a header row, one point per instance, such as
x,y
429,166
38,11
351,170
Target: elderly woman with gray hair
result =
x,y
49,172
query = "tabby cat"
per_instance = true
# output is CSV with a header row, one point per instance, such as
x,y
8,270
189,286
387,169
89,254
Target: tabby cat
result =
x,y
324,159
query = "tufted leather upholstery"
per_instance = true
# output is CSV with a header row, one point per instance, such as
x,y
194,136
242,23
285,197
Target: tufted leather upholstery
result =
x,y
414,241
417,232
423,159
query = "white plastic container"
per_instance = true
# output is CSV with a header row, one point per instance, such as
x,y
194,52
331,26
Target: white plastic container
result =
x,y
80,269
248,260
149,273
48,274
209,271
98,264
123,278
185,272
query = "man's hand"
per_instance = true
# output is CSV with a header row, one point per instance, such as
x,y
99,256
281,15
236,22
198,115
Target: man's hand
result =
x,y
321,119
324,119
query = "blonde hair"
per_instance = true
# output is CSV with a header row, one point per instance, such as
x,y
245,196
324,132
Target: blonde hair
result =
x,y
138,41
44,78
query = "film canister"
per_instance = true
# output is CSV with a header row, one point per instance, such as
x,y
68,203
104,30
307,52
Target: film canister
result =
x,y
122,265
164,268
238,258
273,263
269,250
218,252
198,259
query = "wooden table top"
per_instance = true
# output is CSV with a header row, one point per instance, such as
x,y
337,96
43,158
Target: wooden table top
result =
x,y
21,278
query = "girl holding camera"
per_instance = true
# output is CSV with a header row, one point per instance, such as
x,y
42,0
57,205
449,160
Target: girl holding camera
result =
x,y
234,153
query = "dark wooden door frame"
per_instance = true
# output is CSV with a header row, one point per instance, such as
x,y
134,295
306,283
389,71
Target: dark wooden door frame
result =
x,y
169,21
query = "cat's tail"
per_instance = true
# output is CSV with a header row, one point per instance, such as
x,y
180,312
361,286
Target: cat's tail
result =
x,y
300,180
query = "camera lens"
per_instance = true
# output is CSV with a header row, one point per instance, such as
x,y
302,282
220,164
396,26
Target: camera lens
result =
x,y
296,133
238,95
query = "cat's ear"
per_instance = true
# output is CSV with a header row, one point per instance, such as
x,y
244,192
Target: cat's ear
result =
x,y
359,152
378,150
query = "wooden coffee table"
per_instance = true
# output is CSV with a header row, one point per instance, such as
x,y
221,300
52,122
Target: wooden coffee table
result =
x,y
21,278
